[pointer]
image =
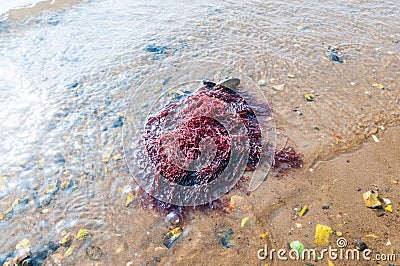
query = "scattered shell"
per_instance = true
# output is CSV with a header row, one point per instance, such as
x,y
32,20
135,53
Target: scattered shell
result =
x,y
261,82
172,236
371,199
386,201
94,252
375,138
173,218
83,234
279,87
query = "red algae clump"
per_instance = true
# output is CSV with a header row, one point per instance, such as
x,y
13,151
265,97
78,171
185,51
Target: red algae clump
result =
x,y
191,143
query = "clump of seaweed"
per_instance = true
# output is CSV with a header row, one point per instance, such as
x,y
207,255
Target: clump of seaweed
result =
x,y
194,125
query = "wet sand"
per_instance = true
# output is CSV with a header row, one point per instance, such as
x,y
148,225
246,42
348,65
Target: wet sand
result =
x,y
338,183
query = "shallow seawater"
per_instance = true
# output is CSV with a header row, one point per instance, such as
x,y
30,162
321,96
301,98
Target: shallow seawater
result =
x,y
68,71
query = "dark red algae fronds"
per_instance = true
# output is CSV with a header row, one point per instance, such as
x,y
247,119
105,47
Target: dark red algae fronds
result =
x,y
194,123
286,159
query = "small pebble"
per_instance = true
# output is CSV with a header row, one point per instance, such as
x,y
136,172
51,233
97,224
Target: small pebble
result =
x,y
119,122
360,245
94,252
74,84
325,207
59,159
261,82
173,218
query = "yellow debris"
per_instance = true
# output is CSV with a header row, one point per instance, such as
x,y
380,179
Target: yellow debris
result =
x,y
378,86
322,234
264,235
371,199
303,211
83,234
371,235
69,251
309,97
389,208
129,199
290,75
330,263
66,239
244,221
117,157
